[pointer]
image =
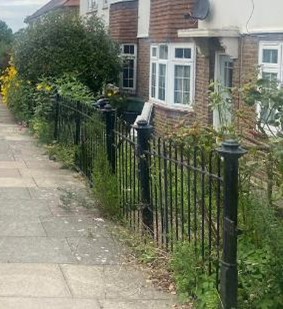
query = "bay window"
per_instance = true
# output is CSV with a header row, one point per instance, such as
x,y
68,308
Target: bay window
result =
x,y
172,74
271,69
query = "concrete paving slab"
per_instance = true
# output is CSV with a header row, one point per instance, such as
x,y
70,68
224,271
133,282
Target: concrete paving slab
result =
x,y
10,164
73,226
32,280
7,157
50,194
9,182
96,251
137,304
24,208
15,193
10,173
17,137
35,250
48,303
24,226
123,282
57,181
29,172
42,164
85,281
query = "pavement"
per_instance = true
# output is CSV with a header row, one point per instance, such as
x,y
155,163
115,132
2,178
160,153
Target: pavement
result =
x,y
55,249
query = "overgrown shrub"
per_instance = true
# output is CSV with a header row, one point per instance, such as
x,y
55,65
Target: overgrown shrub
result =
x,y
18,94
64,43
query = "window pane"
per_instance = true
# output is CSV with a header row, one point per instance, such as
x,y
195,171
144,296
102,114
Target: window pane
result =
x,y
128,73
154,52
182,84
272,77
270,56
153,80
163,52
179,53
132,49
162,82
129,49
183,53
126,49
228,74
187,53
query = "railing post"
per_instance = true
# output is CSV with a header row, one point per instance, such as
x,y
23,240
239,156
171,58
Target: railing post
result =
x,y
231,151
143,131
109,113
55,100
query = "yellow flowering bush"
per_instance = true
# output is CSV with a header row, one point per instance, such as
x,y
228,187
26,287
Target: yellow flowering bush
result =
x,y
17,93
8,80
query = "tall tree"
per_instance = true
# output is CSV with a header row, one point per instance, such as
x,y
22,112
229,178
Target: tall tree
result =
x,y
6,37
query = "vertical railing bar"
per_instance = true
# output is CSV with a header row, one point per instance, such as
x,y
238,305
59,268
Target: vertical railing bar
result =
x,y
171,196
176,193
123,173
195,198
166,219
202,205
160,191
182,191
210,212
155,194
218,201
128,210
189,195
135,201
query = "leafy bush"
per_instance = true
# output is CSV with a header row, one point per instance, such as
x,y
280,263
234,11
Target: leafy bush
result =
x,y
18,94
260,254
192,279
59,44
6,37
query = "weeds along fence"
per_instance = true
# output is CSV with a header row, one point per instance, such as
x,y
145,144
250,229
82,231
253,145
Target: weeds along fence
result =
x,y
170,192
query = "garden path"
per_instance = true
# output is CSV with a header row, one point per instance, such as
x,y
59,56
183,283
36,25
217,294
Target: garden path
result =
x,y
55,249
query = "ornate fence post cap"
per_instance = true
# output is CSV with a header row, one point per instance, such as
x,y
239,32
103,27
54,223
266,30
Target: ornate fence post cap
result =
x,y
108,107
232,148
142,124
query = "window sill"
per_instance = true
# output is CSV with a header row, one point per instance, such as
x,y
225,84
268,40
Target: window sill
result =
x,y
180,108
91,11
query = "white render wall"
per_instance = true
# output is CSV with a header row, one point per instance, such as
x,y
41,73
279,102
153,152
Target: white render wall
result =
x,y
102,11
267,16
144,17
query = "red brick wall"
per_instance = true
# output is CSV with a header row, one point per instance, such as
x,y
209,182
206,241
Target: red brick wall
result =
x,y
143,68
123,24
202,81
166,119
167,16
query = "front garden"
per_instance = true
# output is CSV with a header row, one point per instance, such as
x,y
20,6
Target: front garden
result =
x,y
59,67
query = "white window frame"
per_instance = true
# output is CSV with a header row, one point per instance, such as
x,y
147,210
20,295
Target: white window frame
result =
x,y
271,67
130,56
105,4
92,5
170,63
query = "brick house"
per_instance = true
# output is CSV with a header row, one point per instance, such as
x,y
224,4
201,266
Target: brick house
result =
x,y
175,48
53,5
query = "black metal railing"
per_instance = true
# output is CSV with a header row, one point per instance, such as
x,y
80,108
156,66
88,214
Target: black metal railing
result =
x,y
168,191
